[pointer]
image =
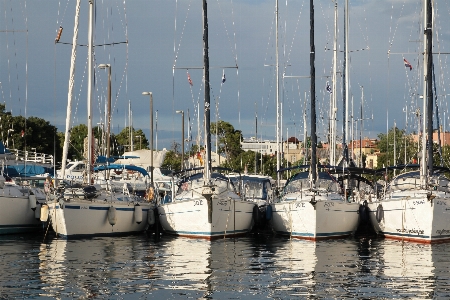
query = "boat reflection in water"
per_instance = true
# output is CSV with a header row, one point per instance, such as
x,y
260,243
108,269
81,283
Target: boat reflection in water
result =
x,y
95,268
317,269
199,268
186,266
415,270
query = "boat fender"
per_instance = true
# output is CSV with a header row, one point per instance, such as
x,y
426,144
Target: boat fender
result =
x,y
32,201
380,213
269,212
256,214
138,213
44,213
363,212
150,217
112,218
37,212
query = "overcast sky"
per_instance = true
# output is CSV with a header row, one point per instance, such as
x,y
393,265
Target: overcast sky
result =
x,y
163,34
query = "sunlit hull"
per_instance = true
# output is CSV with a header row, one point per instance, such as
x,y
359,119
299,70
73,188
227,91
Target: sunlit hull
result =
x,y
189,216
79,218
327,219
412,216
16,213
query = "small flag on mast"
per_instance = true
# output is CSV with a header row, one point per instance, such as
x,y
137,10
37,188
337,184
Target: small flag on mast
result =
x,y
407,64
189,79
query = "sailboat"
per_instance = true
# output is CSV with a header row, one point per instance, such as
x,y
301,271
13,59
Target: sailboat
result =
x,y
416,204
313,204
22,204
206,204
84,210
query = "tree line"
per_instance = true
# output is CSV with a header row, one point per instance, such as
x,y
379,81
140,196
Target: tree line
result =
x,y
39,135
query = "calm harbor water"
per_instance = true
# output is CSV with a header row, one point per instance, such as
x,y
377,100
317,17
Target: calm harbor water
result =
x,y
251,267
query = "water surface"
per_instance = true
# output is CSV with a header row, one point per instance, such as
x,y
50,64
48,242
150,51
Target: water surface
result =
x,y
252,267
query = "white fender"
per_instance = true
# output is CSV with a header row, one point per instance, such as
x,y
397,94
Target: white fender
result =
x,y
32,201
112,218
150,217
44,213
138,213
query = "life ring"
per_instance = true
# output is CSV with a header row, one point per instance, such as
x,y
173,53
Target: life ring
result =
x,y
379,213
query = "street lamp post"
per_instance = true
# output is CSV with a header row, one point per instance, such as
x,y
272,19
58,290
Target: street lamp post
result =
x,y
108,128
151,134
182,137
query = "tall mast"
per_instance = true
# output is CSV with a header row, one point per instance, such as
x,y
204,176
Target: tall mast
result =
x,y
333,93
70,93
312,58
345,124
429,79
427,128
278,93
90,85
207,94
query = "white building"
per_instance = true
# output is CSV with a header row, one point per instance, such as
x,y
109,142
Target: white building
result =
x,y
265,147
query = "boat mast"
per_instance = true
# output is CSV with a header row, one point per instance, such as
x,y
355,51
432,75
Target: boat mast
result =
x,y
345,123
70,93
427,130
429,78
207,94
90,84
312,57
277,93
333,96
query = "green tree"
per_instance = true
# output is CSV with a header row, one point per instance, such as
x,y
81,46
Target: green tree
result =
x,y
139,139
76,144
386,147
229,139
25,134
172,161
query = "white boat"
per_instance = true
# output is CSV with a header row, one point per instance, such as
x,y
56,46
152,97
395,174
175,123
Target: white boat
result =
x,y
410,212
321,212
206,204
416,205
313,205
206,209
85,211
21,204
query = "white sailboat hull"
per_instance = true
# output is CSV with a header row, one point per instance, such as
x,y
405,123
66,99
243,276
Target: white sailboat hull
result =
x,y
78,218
327,219
16,213
411,216
189,217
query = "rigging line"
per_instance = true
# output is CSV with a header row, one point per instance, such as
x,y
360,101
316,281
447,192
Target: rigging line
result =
x,y
58,22
391,40
287,63
98,45
226,32
182,31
